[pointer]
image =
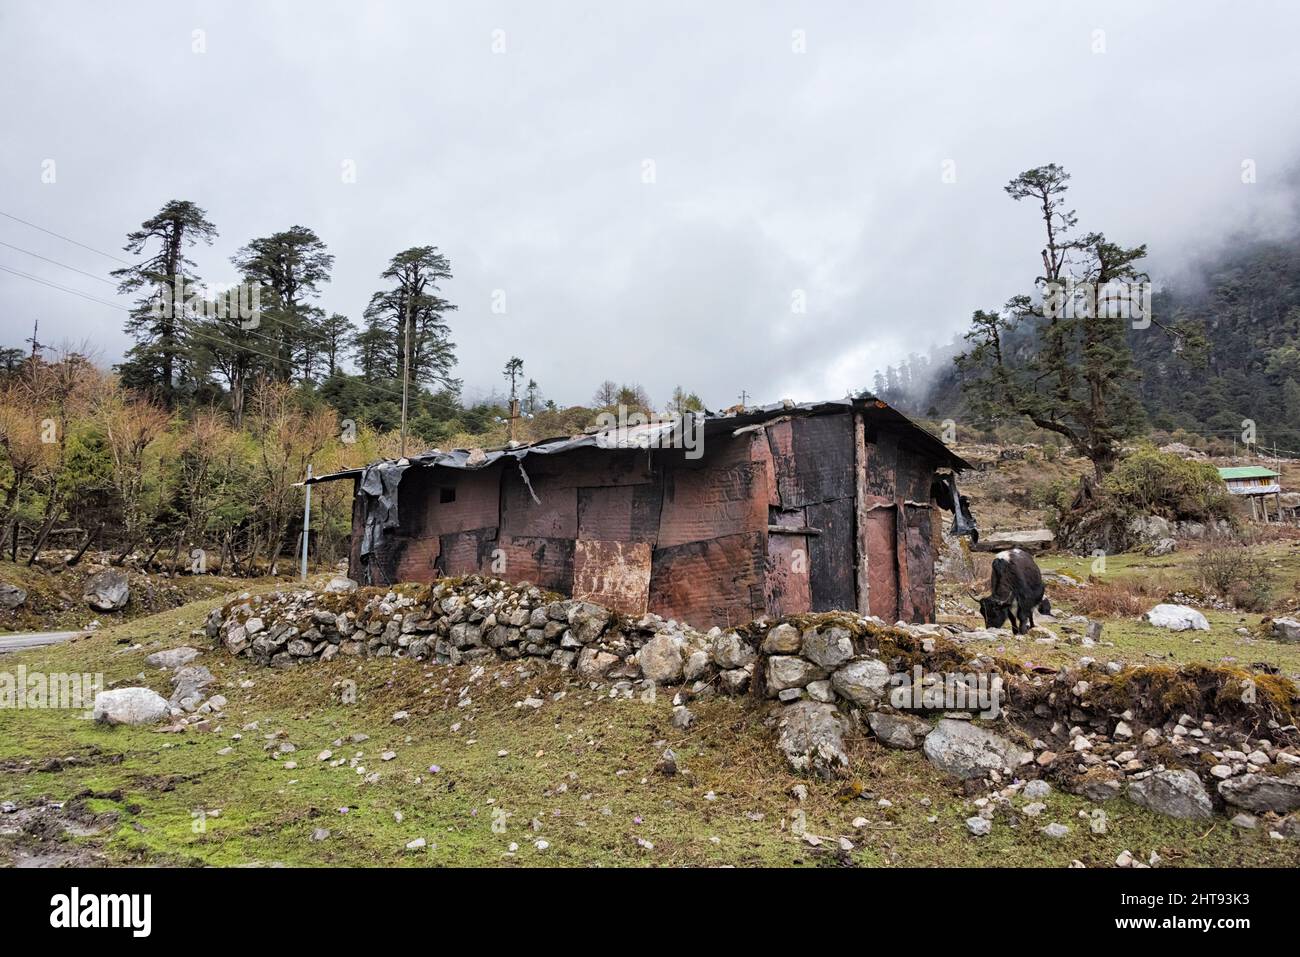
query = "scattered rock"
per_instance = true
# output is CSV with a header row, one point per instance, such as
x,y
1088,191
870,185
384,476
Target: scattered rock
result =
x,y
735,681
1031,540
594,664
1164,546
661,659
172,658
107,590
1098,786
811,736
130,706
11,596
1036,789
1176,618
828,647
865,682
1263,792
904,731
979,826
1286,629
188,684
1173,793
731,651
962,749
784,639
789,671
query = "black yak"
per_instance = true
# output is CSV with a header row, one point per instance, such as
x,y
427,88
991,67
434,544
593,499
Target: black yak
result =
x,y
1017,589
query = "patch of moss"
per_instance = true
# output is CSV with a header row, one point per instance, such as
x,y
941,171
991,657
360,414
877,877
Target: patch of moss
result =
x,y
1159,693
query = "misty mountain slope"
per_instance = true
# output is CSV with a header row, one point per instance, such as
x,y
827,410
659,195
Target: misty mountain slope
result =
x,y
1245,310
1248,310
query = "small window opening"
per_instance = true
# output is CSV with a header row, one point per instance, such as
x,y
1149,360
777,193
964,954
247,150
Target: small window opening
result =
x,y
446,495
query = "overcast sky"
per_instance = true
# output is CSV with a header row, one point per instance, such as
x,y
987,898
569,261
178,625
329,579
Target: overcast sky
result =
x,y
794,152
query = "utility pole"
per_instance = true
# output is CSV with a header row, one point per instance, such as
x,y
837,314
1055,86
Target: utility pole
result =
x,y
743,396
36,346
406,369
306,522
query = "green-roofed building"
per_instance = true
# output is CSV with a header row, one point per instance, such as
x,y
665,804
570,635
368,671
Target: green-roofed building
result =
x,y
1256,483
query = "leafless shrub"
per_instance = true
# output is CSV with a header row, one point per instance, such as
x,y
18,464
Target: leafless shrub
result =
x,y
1229,567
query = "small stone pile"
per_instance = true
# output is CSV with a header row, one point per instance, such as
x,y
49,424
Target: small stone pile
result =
x,y
189,705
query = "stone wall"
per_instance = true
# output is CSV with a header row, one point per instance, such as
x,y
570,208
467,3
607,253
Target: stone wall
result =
x,y
1181,741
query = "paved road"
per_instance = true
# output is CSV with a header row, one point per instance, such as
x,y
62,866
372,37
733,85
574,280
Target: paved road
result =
x,y
34,639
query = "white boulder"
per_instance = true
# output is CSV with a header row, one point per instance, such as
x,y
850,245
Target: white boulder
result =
x,y
1176,618
130,706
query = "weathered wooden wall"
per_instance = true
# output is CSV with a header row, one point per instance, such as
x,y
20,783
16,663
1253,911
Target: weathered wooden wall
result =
x,y
687,538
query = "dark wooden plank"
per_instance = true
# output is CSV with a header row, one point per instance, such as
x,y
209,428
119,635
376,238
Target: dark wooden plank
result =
x,y
620,513
882,466
823,449
451,500
920,562
786,583
900,544
554,513
830,556
419,559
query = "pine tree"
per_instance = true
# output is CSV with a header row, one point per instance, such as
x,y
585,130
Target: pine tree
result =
x,y
1079,382
513,370
415,273
335,333
290,267
158,322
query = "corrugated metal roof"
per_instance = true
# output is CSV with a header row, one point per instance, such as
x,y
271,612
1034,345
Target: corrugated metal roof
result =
x,y
1246,472
660,435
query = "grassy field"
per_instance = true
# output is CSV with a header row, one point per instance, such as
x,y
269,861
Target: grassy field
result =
x,y
1129,639
581,774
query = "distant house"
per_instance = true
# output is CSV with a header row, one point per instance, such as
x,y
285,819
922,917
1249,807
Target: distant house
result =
x,y
772,511
1256,483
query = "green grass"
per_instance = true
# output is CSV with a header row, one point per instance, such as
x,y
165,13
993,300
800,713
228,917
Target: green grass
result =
x,y
583,767
1178,568
1131,640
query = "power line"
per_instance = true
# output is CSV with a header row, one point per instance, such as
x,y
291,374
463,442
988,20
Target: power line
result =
x,y
66,239
69,289
76,292
266,355
57,263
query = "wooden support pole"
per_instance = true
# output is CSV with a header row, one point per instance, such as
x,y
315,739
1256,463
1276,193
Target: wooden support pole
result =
x,y
900,547
861,563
